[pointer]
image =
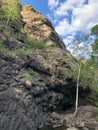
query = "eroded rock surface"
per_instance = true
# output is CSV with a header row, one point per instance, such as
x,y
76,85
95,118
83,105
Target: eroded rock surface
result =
x,y
34,82
84,120
39,27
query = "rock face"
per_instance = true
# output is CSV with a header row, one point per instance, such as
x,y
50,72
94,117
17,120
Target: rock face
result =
x,y
84,120
2,2
39,27
34,82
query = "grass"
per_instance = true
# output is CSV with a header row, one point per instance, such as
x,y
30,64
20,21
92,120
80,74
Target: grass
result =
x,y
35,44
39,84
31,71
4,49
22,52
18,52
66,72
27,76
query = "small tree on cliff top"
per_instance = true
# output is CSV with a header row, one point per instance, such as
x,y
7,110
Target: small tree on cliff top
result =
x,y
11,10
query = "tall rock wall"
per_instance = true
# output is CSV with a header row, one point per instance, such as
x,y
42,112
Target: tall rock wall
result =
x,y
34,82
39,27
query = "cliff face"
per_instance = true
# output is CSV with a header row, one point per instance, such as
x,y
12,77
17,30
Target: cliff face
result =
x,y
39,27
34,81
2,2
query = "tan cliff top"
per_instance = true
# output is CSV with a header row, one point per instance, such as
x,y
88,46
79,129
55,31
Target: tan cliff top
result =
x,y
39,27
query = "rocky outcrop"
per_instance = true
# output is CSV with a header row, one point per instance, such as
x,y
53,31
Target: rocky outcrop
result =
x,y
39,27
84,120
34,82
32,88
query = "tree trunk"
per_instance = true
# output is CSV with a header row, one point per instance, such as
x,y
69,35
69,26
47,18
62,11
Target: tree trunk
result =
x,y
8,18
77,89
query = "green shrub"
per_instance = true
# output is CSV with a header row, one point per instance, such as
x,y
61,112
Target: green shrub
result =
x,y
4,49
2,14
31,71
66,72
35,44
88,78
11,9
23,30
17,52
20,53
39,84
27,76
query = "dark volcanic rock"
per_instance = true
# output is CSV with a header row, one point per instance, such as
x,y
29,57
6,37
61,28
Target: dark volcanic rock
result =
x,y
34,82
19,109
25,102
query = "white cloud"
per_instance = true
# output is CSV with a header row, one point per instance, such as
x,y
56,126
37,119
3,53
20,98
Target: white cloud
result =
x,y
53,3
93,2
68,44
83,16
68,40
64,27
64,7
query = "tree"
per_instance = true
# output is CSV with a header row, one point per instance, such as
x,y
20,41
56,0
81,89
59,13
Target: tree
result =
x,y
80,51
84,51
94,30
11,10
94,55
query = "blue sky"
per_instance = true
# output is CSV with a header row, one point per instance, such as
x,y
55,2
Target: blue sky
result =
x,y
40,5
68,16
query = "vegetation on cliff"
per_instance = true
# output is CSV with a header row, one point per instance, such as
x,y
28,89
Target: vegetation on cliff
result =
x,y
11,9
27,46
37,74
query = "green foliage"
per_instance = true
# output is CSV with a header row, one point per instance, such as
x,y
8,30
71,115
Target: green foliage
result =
x,y
3,49
2,14
18,52
21,52
11,8
35,44
88,78
66,72
94,30
23,30
95,46
31,71
94,55
87,75
27,76
39,84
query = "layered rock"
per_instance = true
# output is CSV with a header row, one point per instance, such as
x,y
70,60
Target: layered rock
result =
x,y
34,82
39,27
